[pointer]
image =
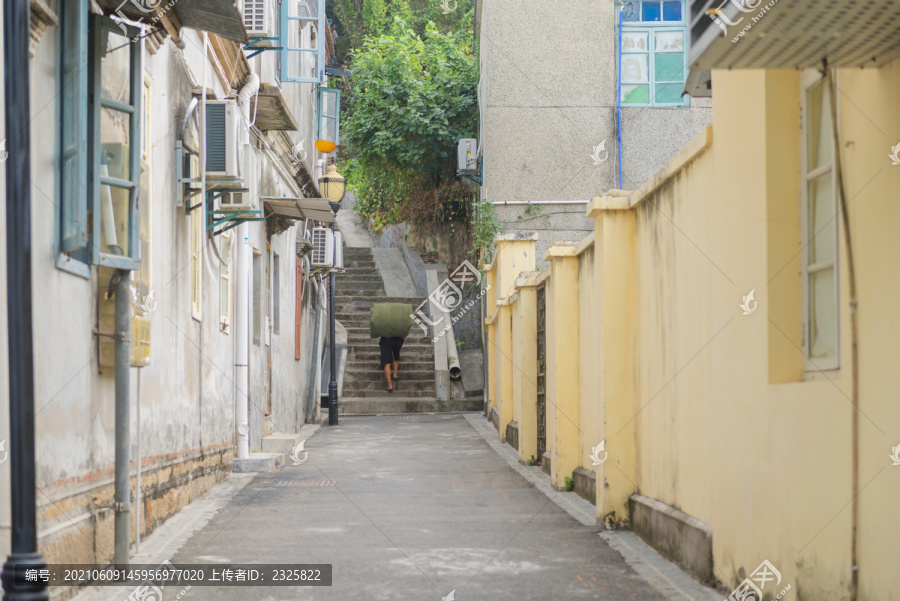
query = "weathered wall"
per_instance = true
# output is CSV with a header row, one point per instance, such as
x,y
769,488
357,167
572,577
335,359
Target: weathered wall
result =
x,y
186,394
541,125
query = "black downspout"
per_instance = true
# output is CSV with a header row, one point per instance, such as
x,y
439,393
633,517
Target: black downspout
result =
x,y
24,550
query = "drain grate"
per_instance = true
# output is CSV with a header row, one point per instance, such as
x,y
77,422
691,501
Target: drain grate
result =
x,y
304,483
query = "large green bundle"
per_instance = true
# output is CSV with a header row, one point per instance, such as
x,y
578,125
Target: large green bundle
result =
x,y
390,320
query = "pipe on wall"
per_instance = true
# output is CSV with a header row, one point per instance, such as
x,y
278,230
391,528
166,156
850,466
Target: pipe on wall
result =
x,y
242,296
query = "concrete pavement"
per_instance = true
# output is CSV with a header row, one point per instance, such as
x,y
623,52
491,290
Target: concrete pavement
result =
x,y
414,507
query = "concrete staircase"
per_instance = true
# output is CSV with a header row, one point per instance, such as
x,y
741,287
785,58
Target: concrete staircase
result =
x,y
364,383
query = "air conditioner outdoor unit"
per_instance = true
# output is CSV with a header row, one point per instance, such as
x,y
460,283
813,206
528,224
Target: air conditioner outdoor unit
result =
x,y
338,251
323,247
223,140
259,19
236,201
466,155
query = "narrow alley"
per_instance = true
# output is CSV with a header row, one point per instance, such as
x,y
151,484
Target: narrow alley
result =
x,y
411,507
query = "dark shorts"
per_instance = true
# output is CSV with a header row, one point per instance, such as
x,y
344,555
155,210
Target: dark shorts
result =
x,y
390,350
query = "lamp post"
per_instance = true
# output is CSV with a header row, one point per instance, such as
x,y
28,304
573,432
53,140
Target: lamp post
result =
x,y
332,187
23,549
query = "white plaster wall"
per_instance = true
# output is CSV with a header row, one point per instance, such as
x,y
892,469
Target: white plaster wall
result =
x,y
187,391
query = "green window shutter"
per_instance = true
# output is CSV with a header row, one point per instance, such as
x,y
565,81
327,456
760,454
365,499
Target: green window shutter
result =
x,y
73,230
302,60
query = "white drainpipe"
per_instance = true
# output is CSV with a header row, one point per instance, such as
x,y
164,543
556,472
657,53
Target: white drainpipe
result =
x,y
242,294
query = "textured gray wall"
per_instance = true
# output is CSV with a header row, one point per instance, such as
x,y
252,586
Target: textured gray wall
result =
x,y
548,99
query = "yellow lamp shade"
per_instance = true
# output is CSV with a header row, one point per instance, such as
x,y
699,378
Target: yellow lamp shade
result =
x,y
325,146
332,185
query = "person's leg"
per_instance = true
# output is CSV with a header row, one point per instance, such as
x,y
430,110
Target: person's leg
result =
x,y
396,365
387,375
386,361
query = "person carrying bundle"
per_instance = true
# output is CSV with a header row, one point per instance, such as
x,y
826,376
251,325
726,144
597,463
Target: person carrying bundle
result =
x,y
390,323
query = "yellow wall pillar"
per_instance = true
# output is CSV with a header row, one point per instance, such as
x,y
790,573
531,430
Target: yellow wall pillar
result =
x,y
490,337
514,254
504,374
524,350
614,278
563,387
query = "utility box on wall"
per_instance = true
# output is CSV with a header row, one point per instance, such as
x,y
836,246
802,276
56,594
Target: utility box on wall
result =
x,y
139,325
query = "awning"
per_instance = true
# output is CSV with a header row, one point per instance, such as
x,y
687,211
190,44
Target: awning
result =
x,y
316,209
221,17
793,34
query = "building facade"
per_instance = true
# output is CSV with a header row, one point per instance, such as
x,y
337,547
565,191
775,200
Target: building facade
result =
x,y
577,97
117,103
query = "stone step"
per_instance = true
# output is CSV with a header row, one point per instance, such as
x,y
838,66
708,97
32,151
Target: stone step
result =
x,y
380,391
359,263
394,403
258,462
357,251
341,294
406,363
342,286
285,443
366,374
357,387
357,271
361,277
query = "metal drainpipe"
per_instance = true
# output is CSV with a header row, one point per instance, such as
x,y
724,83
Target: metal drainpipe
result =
x,y
317,305
332,377
123,416
23,550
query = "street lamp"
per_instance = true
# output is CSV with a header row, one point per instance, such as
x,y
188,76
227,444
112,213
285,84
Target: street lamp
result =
x,y
24,554
332,187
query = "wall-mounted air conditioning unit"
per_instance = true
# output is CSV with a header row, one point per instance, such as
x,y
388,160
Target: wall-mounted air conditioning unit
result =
x,y
466,155
236,201
224,158
323,247
259,18
338,251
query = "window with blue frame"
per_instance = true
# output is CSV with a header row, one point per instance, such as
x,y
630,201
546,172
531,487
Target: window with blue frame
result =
x,y
653,53
302,39
100,122
328,115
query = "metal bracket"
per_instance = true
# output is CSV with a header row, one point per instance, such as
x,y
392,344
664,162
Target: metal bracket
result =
x,y
257,49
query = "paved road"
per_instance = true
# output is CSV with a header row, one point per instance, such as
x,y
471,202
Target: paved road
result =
x,y
410,508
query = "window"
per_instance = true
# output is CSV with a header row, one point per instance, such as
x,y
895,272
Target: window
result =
x,y
73,191
819,221
302,50
653,53
101,88
276,293
328,114
225,295
116,84
257,295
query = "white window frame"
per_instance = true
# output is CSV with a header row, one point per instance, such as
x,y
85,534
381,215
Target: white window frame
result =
x,y
808,79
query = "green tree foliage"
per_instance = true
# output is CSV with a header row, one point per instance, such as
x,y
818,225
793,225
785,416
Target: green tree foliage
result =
x,y
374,17
414,98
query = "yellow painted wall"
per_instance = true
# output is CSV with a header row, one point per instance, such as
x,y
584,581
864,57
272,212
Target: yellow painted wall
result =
x,y
710,410
767,465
